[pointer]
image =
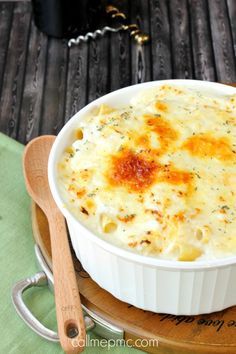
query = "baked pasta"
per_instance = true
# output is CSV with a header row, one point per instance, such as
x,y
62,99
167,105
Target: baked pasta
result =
x,y
157,176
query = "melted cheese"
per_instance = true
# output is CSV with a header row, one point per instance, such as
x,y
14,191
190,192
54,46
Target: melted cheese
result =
x,y
159,176
206,145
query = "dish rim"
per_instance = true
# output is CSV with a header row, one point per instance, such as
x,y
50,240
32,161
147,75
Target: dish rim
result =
x,y
115,249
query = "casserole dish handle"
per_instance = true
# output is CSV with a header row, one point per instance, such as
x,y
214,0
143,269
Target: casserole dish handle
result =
x,y
92,320
39,279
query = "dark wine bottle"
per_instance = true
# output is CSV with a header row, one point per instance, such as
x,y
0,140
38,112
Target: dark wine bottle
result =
x,y
66,18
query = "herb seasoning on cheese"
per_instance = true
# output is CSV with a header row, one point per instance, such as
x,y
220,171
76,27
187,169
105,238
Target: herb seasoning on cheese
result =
x,y
159,176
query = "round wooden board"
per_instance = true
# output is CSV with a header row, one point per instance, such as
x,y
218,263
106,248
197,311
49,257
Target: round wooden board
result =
x,y
214,333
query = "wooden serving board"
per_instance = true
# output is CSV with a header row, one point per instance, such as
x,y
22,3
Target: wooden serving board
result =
x,y
212,333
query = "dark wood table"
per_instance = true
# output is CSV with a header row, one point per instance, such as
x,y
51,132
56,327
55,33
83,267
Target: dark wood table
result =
x,y
43,82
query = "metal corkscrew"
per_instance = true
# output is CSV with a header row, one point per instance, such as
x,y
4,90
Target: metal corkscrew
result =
x,y
134,30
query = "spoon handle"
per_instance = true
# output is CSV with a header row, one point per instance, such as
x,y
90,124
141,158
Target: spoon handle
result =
x,y
70,319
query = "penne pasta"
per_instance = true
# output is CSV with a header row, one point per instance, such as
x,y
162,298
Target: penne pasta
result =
x,y
161,168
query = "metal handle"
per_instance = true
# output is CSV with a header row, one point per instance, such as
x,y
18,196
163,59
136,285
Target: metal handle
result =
x,y
39,279
92,320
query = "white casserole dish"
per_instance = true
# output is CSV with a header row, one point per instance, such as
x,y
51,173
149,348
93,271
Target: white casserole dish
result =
x,y
175,287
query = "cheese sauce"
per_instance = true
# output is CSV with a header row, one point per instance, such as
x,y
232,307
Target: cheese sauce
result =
x,y
159,176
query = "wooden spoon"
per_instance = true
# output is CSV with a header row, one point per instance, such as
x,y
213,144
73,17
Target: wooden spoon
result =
x,y
70,319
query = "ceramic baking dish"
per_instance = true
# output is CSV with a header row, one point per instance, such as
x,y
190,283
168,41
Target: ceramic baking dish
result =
x,y
180,288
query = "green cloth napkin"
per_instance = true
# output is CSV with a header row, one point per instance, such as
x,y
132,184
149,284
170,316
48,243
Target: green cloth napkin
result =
x,y
17,261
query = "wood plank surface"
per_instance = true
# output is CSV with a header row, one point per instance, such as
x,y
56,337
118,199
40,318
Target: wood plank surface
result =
x,y
140,55
222,41
203,57
6,11
43,82
120,75
232,16
13,78
53,106
76,93
180,40
98,68
160,40
31,108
